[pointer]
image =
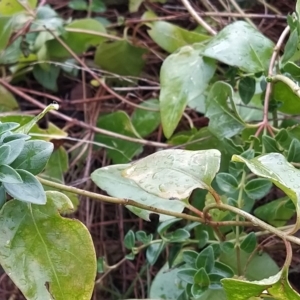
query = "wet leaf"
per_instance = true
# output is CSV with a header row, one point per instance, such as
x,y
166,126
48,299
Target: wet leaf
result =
x,y
54,249
171,37
110,179
146,121
120,57
276,286
118,122
224,120
241,45
174,173
184,77
275,167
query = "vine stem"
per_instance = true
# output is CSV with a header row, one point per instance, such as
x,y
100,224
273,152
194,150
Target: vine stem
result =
x,y
126,202
194,14
265,123
255,221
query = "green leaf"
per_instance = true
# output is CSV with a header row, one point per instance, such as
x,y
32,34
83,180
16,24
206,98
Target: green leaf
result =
x,y
9,175
28,126
16,147
7,126
29,190
81,34
203,238
184,77
189,257
222,270
141,236
277,212
34,156
292,69
227,183
198,291
178,236
134,5
146,121
110,179
47,78
118,122
249,243
6,30
164,226
269,144
165,284
46,17
291,47
2,196
289,102
257,188
120,57
187,275
276,286
153,252
78,5
241,45
294,151
224,120
54,249
7,100
206,259
247,89
174,251
171,37
5,151
11,7
226,246
274,167
174,173
98,6
129,240
201,278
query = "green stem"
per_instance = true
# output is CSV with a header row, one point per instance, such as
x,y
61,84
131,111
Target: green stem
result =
x,y
255,221
120,201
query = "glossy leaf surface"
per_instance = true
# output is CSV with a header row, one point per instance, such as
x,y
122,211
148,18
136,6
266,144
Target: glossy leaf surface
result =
x,y
221,111
44,253
174,173
240,45
110,179
184,77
